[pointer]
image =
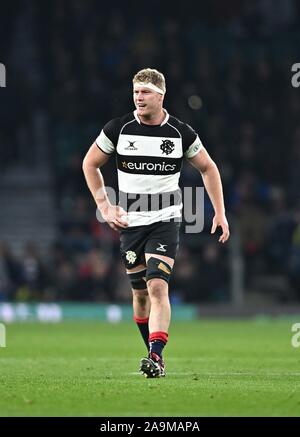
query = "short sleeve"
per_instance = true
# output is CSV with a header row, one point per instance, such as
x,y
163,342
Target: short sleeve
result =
x,y
194,148
104,143
108,138
191,141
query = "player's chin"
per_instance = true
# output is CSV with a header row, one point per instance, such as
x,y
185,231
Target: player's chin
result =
x,y
142,111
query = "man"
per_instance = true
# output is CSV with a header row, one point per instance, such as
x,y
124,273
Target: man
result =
x,y
150,145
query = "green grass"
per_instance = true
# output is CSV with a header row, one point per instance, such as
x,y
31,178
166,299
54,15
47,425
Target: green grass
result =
x,y
215,368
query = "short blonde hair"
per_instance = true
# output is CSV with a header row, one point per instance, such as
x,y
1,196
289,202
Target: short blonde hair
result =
x,y
150,75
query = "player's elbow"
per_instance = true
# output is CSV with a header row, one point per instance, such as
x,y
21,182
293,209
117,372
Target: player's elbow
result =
x,y
209,167
86,163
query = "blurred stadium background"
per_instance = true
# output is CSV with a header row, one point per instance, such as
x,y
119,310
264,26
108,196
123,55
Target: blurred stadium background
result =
x,y
69,66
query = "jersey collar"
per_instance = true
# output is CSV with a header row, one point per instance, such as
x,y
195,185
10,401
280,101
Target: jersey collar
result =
x,y
165,120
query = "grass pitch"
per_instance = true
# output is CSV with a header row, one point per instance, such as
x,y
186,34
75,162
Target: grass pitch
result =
x,y
214,368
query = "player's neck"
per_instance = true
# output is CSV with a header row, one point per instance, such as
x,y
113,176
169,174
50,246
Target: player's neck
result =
x,y
154,119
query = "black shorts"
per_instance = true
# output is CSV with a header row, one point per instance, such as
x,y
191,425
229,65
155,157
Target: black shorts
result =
x,y
161,238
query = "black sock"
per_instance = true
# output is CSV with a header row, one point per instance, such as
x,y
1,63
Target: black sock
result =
x,y
157,346
143,326
157,341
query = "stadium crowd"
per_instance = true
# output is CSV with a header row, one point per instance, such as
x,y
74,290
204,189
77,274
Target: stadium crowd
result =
x,y
228,75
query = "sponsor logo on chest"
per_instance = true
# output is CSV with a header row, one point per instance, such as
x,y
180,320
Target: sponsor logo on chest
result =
x,y
149,146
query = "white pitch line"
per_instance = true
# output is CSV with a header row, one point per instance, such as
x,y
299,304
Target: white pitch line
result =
x,y
227,373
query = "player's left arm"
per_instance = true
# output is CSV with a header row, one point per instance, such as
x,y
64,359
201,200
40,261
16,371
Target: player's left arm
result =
x,y
213,184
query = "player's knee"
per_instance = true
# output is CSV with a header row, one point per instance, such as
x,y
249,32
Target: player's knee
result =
x,y
157,288
158,269
138,293
141,298
138,280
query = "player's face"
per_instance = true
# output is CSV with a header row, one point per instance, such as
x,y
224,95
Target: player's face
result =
x,y
147,102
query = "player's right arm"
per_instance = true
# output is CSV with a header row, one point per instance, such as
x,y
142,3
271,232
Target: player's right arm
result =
x,y
93,161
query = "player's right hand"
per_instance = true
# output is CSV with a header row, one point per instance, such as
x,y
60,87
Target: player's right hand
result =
x,y
115,216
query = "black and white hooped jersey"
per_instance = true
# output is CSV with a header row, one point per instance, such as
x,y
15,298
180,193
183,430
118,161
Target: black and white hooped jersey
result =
x,y
149,160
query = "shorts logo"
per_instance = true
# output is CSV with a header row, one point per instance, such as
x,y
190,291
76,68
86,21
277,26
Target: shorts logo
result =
x,y
161,247
167,147
165,269
131,256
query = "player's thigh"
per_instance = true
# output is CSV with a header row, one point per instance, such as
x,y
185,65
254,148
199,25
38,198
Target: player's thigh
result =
x,y
132,243
137,278
163,242
167,259
136,268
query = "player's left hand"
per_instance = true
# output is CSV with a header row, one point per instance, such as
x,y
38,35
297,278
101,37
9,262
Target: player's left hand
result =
x,y
220,220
